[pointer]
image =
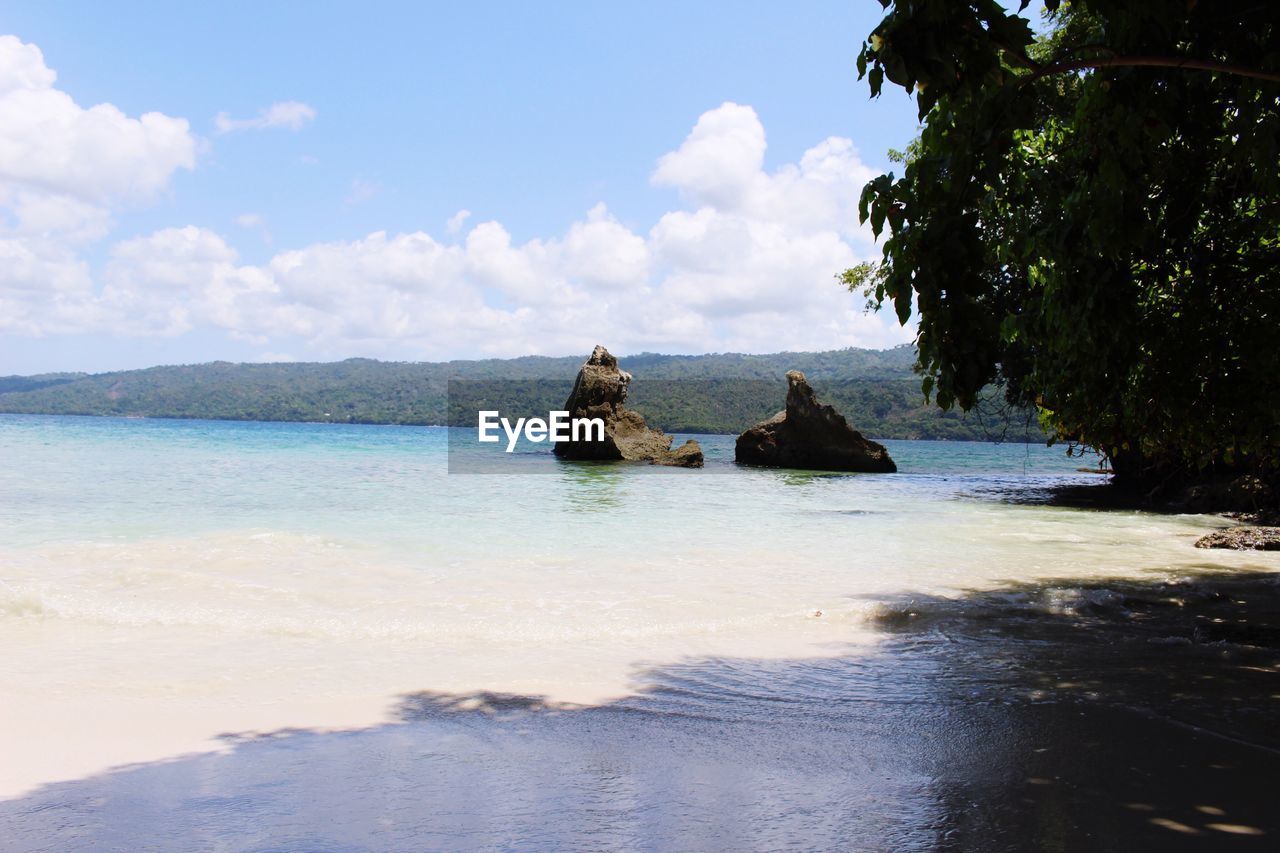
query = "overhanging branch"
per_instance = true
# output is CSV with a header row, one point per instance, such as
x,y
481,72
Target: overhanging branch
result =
x,y
1178,62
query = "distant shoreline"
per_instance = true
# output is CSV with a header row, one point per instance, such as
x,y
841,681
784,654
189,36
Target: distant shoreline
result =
x,y
876,390
677,432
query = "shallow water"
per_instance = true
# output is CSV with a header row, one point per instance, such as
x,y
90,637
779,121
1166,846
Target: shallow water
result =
x,y
163,583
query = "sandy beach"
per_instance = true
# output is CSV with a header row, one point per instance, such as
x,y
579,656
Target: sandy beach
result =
x,y
1112,716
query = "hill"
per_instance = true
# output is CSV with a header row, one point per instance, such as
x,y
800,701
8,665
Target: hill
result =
x,y
725,393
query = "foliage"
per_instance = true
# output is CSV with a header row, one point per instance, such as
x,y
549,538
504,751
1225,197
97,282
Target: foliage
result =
x,y
721,393
1091,218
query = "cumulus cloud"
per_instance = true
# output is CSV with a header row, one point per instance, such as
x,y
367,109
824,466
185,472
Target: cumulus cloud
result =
x,y
720,161
44,289
293,115
63,170
746,262
55,149
168,282
749,264
603,254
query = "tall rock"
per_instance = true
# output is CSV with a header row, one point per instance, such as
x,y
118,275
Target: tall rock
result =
x,y
599,392
809,434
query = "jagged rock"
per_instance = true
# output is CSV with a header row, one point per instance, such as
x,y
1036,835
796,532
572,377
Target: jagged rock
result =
x,y
1243,539
687,455
599,392
809,434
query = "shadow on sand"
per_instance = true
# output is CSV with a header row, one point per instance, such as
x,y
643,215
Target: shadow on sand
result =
x,y
1108,716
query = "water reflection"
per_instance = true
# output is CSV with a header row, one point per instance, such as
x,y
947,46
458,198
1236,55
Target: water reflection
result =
x,y
592,486
801,477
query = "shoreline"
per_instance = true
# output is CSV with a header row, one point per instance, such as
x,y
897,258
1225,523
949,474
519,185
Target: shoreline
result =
x,y
183,419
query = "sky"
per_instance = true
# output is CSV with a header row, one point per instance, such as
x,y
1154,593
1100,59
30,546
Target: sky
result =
x,y
416,181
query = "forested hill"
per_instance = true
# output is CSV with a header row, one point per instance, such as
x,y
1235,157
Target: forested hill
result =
x,y
875,389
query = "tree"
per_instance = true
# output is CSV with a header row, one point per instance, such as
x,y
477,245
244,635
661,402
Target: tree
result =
x,y
1091,218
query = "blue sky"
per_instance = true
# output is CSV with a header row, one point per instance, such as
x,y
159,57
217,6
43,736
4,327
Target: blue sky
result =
x,y
251,239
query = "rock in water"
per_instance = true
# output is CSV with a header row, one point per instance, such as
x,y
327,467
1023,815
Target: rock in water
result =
x,y
687,455
599,392
809,434
1242,539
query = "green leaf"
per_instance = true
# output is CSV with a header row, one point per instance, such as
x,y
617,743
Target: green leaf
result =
x,y
875,80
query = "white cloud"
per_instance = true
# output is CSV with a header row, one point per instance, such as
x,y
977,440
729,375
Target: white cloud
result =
x,y
720,167
746,263
63,170
454,226
293,115
601,253
50,146
170,281
44,290
720,161
756,257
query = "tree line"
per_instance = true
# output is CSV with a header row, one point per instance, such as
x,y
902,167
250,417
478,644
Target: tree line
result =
x,y
720,393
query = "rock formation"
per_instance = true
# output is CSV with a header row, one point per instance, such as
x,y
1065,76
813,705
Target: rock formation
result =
x,y
687,455
599,392
809,434
1243,539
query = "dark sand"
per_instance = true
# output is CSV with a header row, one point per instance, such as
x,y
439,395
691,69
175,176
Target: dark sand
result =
x,y
1125,716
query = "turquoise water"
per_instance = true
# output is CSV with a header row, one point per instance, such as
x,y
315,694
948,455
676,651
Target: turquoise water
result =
x,y
68,478
178,580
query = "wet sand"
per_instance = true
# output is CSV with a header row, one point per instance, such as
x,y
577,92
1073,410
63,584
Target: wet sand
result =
x,y
1063,716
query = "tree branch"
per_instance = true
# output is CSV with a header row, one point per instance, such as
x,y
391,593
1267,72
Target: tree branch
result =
x,y
1154,62
1017,57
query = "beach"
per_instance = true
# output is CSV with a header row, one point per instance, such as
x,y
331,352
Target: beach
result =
x,y
208,609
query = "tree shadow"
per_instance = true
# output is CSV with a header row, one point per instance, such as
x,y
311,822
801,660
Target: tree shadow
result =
x,y
1108,715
